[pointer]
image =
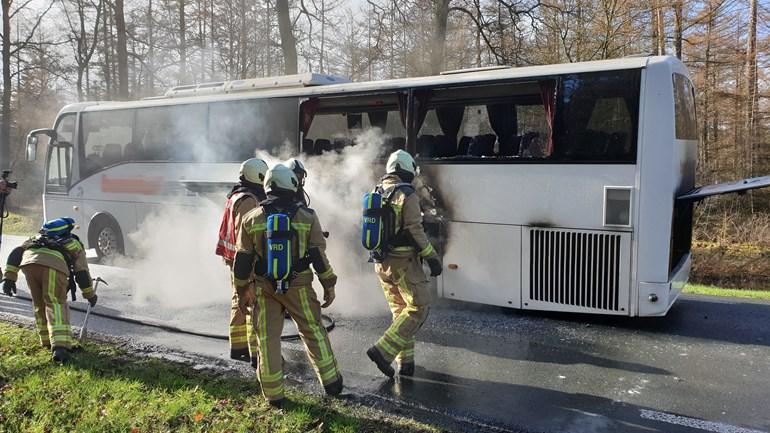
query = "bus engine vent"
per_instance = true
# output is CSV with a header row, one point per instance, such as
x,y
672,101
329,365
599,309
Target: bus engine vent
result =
x,y
581,270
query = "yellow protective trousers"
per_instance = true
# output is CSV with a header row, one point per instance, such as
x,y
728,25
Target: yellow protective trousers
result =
x,y
242,336
302,305
409,297
49,299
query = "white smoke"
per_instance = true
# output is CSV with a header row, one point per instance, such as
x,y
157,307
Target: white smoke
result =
x,y
176,266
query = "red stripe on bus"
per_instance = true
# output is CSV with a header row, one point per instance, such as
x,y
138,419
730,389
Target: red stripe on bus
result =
x,y
151,186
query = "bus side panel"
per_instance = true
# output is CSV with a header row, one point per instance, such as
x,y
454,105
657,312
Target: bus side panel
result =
x,y
657,189
63,205
483,264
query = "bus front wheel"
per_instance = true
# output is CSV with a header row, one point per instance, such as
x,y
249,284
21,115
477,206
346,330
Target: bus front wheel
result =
x,y
107,239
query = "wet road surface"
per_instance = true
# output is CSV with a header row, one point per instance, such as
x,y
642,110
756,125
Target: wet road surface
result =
x,y
704,367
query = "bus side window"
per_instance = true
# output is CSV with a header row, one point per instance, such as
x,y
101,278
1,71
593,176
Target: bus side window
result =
x,y
684,109
105,135
597,117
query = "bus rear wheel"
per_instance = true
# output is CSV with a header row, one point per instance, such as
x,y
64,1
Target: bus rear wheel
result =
x,y
107,240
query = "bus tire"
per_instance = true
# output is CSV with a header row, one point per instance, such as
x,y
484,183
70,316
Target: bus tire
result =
x,y
106,237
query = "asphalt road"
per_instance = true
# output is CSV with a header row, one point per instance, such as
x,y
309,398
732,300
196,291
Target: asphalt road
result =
x,y
704,367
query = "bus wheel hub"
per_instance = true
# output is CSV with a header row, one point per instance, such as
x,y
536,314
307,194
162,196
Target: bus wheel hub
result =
x,y
107,241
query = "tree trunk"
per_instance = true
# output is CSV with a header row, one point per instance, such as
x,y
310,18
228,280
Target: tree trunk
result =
x,y
182,44
288,42
5,129
661,26
751,87
438,47
120,29
678,28
705,138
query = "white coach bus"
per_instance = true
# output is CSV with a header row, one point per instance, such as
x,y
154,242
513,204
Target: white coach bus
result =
x,y
562,187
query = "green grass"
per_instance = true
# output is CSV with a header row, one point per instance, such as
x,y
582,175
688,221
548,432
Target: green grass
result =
x,y
107,390
17,224
729,293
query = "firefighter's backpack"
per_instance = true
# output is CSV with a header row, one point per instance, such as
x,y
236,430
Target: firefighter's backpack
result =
x,y
279,254
379,219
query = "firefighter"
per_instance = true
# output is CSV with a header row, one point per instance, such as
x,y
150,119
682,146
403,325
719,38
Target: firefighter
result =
x,y
299,170
244,196
52,262
304,244
400,268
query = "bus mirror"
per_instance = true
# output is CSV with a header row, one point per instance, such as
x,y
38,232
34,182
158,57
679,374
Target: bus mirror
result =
x,y
31,147
32,141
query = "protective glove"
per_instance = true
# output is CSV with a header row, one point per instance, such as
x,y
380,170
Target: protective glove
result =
x,y
247,297
92,300
435,266
328,297
328,285
9,287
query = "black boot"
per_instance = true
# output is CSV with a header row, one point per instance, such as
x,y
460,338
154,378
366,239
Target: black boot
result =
x,y
334,388
240,355
277,404
60,354
382,364
406,369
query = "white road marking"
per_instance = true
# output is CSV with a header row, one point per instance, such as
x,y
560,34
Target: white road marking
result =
x,y
716,427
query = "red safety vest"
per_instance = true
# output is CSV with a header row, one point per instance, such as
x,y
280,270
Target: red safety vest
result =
x,y
227,230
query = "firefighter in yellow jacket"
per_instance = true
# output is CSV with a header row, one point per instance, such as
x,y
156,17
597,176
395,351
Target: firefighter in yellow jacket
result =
x,y
52,262
400,268
277,242
242,198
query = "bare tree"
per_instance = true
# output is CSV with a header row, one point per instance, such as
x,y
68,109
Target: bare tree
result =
x,y
83,40
8,52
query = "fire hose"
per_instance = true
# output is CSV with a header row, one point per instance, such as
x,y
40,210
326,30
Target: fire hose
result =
x,y
328,324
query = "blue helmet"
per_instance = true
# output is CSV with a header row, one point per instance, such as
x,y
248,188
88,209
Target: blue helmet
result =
x,y
59,227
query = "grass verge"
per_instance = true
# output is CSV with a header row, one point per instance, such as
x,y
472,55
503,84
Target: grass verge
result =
x,y
105,389
17,224
728,293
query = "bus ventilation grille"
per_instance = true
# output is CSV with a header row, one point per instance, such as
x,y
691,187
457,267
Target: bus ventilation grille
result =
x,y
576,268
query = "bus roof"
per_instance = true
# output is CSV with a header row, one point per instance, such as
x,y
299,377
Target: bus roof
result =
x,y
453,78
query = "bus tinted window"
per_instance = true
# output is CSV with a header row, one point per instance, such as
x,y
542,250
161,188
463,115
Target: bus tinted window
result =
x,y
338,121
589,117
238,128
106,139
174,133
684,109
596,117
65,130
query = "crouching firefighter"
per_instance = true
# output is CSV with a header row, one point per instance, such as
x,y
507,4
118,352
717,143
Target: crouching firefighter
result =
x,y
278,241
242,198
393,231
52,262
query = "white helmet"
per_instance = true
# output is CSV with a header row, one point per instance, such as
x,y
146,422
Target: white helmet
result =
x,y
253,170
296,166
401,160
281,177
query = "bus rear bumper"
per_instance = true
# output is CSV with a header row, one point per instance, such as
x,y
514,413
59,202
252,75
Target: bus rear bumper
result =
x,y
655,299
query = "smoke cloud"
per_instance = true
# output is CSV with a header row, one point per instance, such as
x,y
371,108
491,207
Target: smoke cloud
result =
x,y
176,265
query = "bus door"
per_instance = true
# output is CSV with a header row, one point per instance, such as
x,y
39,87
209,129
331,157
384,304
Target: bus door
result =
x,y
61,199
740,187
